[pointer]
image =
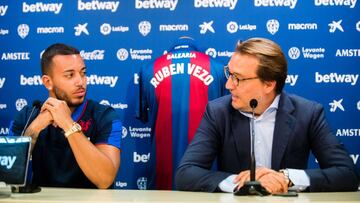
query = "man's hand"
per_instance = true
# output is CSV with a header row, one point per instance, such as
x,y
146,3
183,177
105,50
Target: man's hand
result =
x,y
272,181
60,112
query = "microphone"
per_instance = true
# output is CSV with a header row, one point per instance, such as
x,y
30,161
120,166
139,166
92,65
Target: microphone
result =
x,y
28,187
252,187
35,105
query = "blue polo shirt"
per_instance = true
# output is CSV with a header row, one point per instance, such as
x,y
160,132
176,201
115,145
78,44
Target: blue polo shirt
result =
x,y
53,161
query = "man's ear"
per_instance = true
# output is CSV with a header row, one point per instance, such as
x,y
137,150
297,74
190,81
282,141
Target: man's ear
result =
x,y
47,81
270,86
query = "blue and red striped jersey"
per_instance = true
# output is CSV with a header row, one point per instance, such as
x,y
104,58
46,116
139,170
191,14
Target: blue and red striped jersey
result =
x,y
174,91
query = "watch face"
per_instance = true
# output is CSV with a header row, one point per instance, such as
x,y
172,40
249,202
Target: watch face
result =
x,y
77,127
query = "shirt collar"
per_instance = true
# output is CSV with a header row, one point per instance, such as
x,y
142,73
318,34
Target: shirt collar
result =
x,y
76,115
273,107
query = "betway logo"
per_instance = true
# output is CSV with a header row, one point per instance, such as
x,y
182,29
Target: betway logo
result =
x,y
15,56
39,7
2,82
31,81
98,5
350,3
7,161
155,4
215,3
291,79
347,53
92,55
354,157
276,3
141,157
336,78
102,80
3,10
348,132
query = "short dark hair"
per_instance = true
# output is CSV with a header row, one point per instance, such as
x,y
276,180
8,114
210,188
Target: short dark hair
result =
x,y
272,61
53,50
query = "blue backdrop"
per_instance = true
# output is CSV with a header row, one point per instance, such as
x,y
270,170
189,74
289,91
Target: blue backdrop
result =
x,y
117,38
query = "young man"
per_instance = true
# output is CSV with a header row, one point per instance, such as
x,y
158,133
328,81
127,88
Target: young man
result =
x,y
287,128
75,141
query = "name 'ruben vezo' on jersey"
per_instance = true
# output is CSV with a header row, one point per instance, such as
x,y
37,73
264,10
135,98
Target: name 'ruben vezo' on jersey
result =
x,y
179,68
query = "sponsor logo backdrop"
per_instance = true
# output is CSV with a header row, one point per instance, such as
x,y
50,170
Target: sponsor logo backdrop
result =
x,y
116,38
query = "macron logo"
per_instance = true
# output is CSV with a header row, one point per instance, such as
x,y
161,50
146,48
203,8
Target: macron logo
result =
x,y
276,3
336,78
98,5
41,7
102,80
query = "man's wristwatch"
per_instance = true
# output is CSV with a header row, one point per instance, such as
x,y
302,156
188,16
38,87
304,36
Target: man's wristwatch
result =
x,y
74,128
286,175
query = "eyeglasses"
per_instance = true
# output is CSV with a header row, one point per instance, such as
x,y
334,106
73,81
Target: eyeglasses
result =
x,y
234,78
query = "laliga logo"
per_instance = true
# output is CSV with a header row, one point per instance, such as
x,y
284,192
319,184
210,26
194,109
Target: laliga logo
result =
x,y
211,52
23,30
294,53
273,26
232,27
122,54
20,103
105,29
142,183
144,28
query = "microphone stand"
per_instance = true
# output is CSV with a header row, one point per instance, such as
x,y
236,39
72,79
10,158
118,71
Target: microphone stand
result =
x,y
252,187
28,187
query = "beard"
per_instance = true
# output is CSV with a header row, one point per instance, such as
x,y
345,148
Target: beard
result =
x,y
61,95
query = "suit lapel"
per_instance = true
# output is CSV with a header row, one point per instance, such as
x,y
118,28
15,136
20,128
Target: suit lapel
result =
x,y
284,125
241,133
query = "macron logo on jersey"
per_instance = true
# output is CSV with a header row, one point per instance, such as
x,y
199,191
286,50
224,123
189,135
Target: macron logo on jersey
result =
x,y
98,5
39,7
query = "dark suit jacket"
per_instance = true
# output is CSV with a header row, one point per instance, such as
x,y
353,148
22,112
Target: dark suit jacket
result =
x,y
300,127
